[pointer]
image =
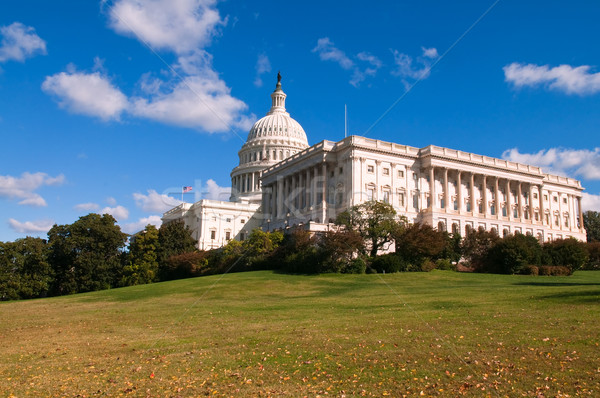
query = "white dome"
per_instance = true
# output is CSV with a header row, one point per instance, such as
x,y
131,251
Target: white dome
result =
x,y
272,139
278,126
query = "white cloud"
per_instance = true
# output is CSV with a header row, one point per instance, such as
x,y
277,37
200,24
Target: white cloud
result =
x,y
155,202
118,212
409,68
20,42
24,187
180,26
329,52
201,101
111,201
191,96
566,78
562,161
137,226
590,202
212,190
90,94
86,206
27,227
263,65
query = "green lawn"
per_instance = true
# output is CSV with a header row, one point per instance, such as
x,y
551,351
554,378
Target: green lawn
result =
x,y
267,334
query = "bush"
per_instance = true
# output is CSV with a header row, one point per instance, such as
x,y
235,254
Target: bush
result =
x,y
511,254
566,252
593,263
427,265
356,266
530,270
554,270
388,263
445,264
186,265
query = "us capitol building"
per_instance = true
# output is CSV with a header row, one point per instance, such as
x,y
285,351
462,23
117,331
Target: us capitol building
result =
x,y
281,182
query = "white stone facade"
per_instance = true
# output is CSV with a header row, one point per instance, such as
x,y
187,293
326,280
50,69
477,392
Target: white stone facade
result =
x,y
468,191
281,183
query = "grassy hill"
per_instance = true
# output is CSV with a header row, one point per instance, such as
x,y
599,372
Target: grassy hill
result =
x,y
267,334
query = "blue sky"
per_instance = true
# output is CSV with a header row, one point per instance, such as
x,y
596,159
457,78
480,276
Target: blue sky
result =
x,y
113,106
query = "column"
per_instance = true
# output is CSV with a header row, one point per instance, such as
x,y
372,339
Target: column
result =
x,y
580,213
393,196
324,194
307,190
314,186
279,197
541,199
508,201
520,202
432,188
300,190
473,202
459,192
293,194
531,212
377,170
251,182
446,196
497,194
485,198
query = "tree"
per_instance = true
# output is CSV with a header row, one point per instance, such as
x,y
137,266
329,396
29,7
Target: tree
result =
x,y
419,242
85,255
591,222
376,222
569,253
24,269
142,266
476,245
174,238
512,254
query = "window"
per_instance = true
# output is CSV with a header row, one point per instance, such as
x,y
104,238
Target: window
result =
x,y
401,199
332,173
341,170
565,200
546,198
400,173
415,177
386,171
515,213
213,234
213,218
537,216
227,235
242,221
556,221
535,195
370,169
370,193
415,201
228,220
556,199
386,196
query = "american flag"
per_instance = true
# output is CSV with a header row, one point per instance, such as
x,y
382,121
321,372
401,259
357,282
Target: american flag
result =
x,y
187,189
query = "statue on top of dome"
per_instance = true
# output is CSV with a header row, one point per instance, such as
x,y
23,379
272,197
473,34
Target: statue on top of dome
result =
x,y
278,77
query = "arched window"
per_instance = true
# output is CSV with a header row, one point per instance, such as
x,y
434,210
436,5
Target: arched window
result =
x,y
468,229
504,233
455,229
441,226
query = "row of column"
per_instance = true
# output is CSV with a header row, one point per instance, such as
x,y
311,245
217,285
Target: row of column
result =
x,y
291,194
520,205
246,182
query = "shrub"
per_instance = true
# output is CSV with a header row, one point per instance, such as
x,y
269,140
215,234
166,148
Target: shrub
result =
x,y
427,265
566,252
511,254
356,266
593,262
388,263
554,270
186,265
445,264
418,242
530,270
475,247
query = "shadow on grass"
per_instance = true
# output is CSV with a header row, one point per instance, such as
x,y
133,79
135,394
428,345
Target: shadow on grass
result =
x,y
558,284
580,297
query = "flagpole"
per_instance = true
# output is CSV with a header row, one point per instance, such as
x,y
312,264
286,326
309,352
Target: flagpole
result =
x,y
182,196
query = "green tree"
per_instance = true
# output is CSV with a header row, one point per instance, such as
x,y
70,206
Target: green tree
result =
x,y
419,242
174,238
24,269
376,222
142,266
85,255
569,253
510,255
475,247
591,223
